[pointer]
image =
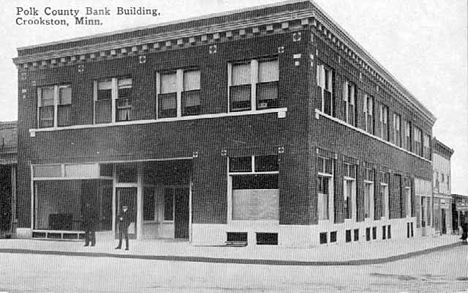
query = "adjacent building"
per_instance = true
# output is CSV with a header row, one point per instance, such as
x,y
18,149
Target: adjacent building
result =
x,y
8,163
441,155
267,125
459,211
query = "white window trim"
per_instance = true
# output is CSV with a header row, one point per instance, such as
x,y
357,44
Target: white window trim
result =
x,y
56,104
179,90
371,200
230,206
353,198
331,194
349,100
396,127
281,113
409,208
114,97
254,71
321,71
367,99
386,214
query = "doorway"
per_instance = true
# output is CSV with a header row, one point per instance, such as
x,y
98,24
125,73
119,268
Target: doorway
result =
x,y
444,226
127,196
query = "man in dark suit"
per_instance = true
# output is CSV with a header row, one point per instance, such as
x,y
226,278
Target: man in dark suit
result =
x,y
124,220
89,221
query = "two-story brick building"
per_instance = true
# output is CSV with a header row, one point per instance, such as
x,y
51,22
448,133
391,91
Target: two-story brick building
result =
x,y
268,125
8,162
441,155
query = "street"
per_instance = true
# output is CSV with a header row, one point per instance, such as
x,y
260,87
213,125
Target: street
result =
x,y
443,271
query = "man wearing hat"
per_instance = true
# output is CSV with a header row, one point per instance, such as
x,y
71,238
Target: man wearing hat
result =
x,y
124,219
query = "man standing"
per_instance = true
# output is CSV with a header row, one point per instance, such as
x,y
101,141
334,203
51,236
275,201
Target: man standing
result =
x,y
89,221
124,219
464,225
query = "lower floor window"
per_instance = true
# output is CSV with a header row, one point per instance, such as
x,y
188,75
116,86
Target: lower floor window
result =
x,y
323,197
255,197
348,191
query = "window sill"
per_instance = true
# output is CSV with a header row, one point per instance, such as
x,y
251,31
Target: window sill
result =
x,y
281,113
319,113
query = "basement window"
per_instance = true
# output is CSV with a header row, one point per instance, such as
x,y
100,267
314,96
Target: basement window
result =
x,y
267,238
323,238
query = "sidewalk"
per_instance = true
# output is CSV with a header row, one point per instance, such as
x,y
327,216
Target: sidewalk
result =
x,y
171,250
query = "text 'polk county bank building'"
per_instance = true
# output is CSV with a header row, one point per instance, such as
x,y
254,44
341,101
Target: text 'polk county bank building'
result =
x,y
268,125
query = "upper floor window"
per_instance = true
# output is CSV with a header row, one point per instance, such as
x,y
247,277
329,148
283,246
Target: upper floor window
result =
x,y
397,129
349,103
384,122
369,113
113,100
54,106
178,93
325,82
408,142
417,149
253,85
427,147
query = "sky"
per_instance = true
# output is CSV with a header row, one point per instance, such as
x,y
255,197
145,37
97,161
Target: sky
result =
x,y
422,43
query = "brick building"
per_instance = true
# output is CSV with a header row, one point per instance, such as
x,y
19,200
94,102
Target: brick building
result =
x,y
441,155
268,125
8,162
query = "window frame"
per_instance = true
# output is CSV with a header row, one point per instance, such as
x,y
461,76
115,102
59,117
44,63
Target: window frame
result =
x,y
385,195
349,179
349,103
325,81
384,127
369,114
397,129
254,84
323,174
56,105
251,172
114,99
417,148
369,179
180,92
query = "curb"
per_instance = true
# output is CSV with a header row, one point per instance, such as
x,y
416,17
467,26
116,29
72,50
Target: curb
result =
x,y
235,260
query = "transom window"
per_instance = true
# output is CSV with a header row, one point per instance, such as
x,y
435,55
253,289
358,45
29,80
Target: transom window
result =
x,y
113,100
325,188
325,82
349,103
178,93
369,113
253,85
54,105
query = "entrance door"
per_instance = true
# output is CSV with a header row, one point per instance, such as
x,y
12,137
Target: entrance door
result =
x,y
127,196
181,221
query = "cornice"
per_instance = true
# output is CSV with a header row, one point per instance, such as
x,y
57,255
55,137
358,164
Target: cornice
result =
x,y
313,18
